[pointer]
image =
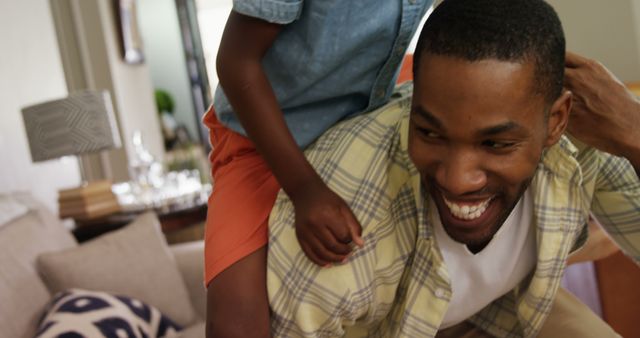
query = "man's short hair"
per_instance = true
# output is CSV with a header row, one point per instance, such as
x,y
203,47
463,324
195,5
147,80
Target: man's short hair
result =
x,y
506,30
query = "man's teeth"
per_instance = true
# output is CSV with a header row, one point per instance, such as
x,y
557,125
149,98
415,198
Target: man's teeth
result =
x,y
466,211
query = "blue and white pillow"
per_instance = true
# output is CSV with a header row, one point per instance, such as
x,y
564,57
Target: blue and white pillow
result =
x,y
79,313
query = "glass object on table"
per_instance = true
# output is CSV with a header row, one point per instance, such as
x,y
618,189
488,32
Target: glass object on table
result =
x,y
153,188
178,190
145,170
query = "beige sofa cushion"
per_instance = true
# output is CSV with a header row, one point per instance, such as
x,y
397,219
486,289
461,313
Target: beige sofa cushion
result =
x,y
190,259
23,295
134,261
194,331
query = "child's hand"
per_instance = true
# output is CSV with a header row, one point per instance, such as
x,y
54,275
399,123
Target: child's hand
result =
x,y
325,226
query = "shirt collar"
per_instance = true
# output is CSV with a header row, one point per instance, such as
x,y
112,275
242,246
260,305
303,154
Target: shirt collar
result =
x,y
561,161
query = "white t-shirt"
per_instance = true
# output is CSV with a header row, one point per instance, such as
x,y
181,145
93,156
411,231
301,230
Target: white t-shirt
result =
x,y
478,279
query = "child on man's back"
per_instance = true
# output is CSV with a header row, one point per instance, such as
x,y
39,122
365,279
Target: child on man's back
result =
x,y
289,70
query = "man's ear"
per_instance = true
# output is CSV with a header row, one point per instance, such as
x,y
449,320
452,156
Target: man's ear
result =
x,y
558,118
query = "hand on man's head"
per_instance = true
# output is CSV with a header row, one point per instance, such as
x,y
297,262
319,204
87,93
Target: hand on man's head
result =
x,y
605,114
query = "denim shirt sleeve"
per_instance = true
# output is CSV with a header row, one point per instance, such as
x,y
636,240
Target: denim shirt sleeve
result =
x,y
274,11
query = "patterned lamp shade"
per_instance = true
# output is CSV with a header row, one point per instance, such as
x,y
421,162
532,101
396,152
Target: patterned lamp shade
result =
x,y
82,123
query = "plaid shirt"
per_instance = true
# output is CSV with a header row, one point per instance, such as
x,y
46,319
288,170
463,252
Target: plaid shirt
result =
x,y
397,285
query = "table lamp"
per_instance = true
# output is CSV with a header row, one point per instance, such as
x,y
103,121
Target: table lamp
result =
x,y
82,123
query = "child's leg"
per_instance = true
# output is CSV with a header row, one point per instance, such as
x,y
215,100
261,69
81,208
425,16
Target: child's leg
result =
x,y
236,259
244,191
237,303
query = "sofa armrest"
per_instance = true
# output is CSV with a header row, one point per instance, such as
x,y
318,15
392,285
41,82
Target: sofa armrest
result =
x,y
190,260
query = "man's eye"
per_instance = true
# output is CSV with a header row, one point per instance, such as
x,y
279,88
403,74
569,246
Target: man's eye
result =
x,y
429,133
497,145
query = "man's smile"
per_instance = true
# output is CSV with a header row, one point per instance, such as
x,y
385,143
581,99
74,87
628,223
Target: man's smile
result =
x,y
471,221
468,217
467,210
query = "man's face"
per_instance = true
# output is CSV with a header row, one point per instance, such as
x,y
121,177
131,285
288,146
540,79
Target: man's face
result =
x,y
477,133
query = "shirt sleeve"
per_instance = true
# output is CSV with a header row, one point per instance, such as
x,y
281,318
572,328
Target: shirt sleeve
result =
x,y
275,11
616,202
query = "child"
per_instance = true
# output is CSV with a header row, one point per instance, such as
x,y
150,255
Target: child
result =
x,y
289,70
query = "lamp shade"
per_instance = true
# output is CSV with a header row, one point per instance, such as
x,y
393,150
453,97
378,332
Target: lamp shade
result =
x,y
82,123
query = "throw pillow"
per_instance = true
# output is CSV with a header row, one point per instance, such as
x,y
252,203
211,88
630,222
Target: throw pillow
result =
x,y
79,313
134,261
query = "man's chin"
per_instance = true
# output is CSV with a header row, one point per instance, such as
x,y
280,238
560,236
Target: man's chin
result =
x,y
476,239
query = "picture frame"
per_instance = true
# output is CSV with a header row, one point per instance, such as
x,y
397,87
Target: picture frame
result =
x,y
129,32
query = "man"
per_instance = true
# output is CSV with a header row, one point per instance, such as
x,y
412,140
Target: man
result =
x,y
470,196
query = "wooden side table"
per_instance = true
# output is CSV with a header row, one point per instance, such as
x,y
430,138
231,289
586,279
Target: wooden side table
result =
x,y
170,221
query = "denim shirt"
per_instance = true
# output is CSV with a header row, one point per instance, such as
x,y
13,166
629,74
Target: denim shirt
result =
x,y
334,59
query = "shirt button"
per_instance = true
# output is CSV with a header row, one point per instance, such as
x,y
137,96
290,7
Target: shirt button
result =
x,y
440,293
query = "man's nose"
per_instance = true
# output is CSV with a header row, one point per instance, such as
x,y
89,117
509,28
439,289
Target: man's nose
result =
x,y
461,173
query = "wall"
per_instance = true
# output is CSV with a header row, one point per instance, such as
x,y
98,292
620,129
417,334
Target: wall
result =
x,y
92,58
165,57
132,90
636,14
212,17
31,72
608,31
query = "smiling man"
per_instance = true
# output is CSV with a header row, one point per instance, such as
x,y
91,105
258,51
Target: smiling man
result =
x,y
478,142
470,196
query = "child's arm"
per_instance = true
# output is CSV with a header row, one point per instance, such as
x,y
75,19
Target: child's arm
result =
x,y
324,223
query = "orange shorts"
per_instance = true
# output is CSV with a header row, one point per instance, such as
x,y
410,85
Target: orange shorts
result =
x,y
244,191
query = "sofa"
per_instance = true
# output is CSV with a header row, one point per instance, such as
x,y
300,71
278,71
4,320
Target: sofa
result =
x,y
39,258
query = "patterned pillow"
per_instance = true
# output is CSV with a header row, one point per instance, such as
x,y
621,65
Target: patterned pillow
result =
x,y
79,313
